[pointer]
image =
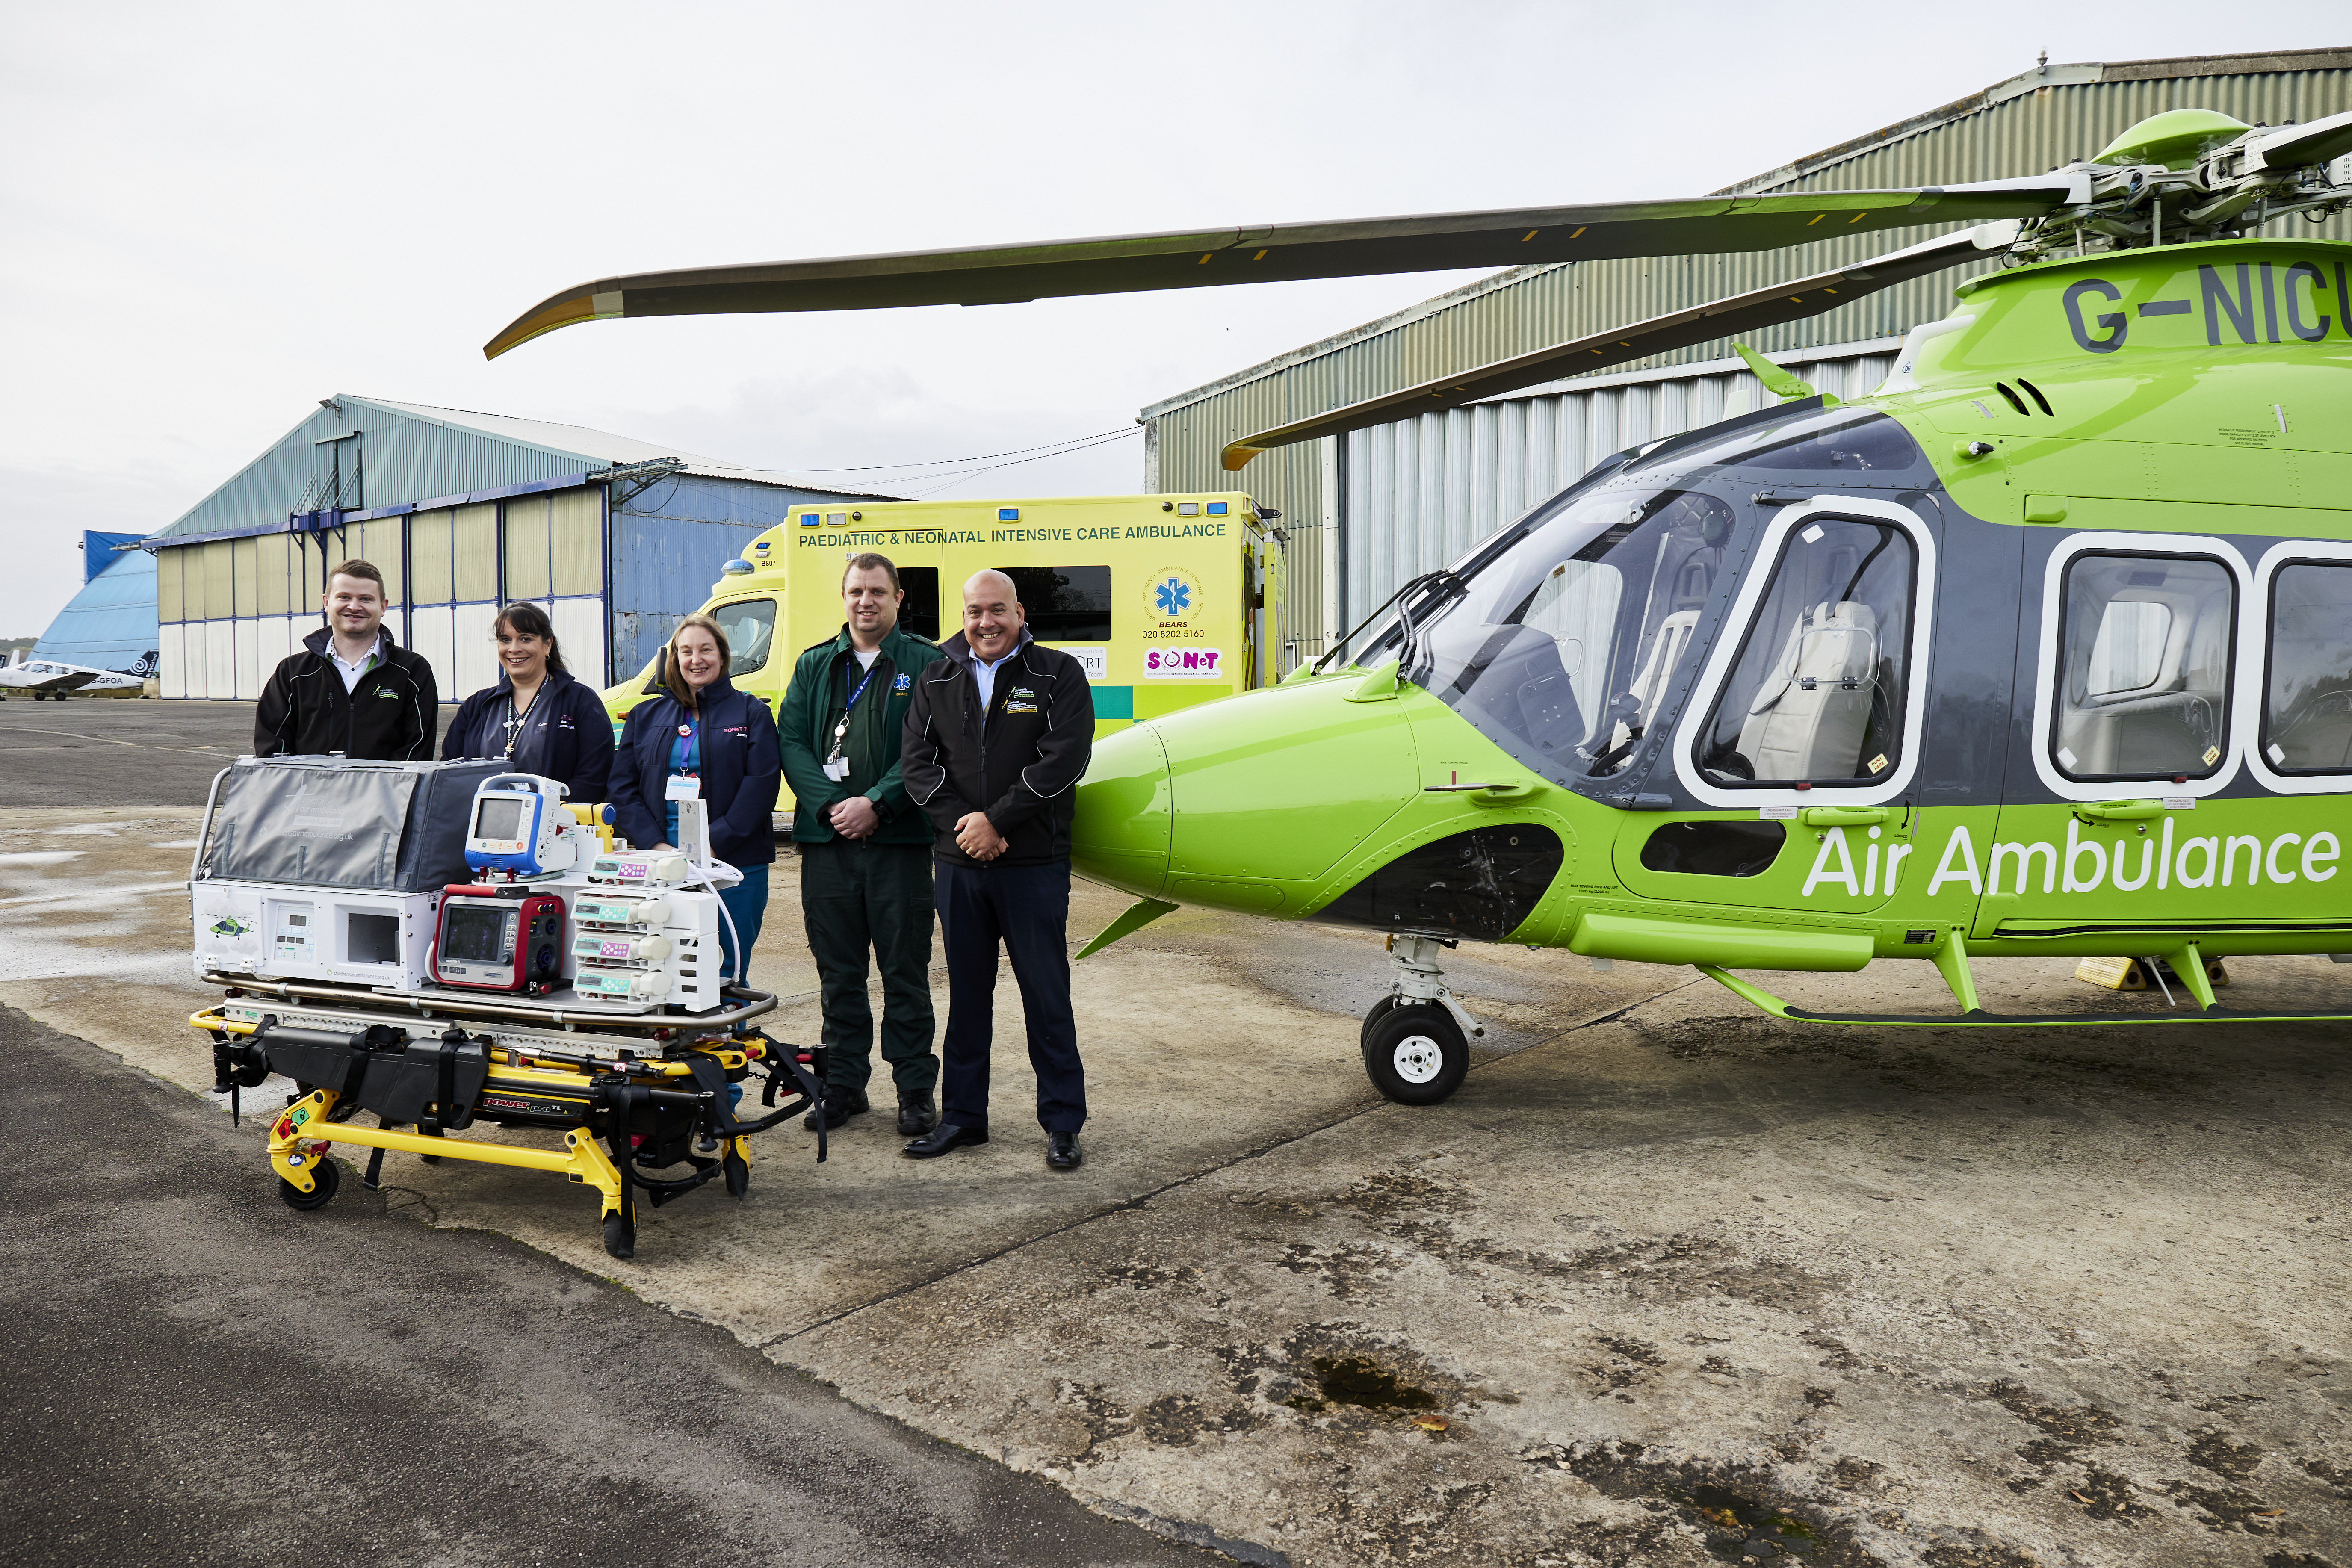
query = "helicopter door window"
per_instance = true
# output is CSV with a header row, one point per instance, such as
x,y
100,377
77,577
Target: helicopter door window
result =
x,y
2307,698
2144,688
1817,693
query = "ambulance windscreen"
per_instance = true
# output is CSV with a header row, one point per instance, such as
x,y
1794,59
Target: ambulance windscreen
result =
x,y
497,820
1564,647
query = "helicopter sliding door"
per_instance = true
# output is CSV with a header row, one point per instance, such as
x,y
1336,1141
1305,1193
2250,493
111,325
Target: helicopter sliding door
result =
x,y
1802,740
2190,715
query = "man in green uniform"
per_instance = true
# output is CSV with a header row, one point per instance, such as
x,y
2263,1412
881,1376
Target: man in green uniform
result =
x,y
865,851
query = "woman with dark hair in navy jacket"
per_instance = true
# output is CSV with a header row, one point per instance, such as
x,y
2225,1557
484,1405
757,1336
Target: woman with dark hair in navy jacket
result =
x,y
538,716
700,727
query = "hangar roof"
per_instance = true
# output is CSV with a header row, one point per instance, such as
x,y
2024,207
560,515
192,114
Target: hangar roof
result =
x,y
411,452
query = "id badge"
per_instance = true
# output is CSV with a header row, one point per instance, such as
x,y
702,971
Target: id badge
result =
x,y
836,768
684,786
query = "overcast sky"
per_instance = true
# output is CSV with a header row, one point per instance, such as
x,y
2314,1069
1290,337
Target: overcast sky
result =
x,y
216,215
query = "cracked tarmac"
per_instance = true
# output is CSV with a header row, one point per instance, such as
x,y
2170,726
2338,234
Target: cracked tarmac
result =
x,y
1666,1283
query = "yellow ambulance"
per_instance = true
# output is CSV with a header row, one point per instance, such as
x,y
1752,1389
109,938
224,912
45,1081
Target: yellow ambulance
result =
x,y
1165,599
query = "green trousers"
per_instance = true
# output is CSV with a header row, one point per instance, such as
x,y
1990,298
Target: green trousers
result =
x,y
859,897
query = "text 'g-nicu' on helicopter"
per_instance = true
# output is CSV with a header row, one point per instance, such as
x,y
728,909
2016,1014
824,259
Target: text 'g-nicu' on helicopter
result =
x,y
2043,648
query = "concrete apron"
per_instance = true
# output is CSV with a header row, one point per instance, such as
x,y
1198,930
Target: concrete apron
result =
x,y
1672,1284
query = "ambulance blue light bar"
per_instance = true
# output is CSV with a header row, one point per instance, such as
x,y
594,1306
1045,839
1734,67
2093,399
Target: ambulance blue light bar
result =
x,y
1008,514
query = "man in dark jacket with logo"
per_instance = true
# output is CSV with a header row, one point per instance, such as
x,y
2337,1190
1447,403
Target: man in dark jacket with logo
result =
x,y
865,850
1000,732
352,690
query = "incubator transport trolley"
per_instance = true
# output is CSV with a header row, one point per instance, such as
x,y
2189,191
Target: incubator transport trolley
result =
x,y
646,1090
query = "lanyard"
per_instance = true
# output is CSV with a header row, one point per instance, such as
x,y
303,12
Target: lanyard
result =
x,y
842,728
514,721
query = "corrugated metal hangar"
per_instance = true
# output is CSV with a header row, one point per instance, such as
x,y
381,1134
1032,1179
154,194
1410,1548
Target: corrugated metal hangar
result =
x,y
463,512
1370,511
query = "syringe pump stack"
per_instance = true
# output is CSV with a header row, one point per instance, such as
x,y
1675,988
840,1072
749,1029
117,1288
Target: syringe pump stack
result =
x,y
640,934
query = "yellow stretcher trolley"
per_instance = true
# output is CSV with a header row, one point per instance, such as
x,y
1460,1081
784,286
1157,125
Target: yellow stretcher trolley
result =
x,y
627,1098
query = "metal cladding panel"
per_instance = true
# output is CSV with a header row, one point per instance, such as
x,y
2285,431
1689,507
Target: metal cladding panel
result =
x,y
668,541
1419,489
110,624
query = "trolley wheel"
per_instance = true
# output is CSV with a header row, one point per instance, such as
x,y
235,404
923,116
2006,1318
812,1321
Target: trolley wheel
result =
x,y
325,1177
738,1171
1416,1055
621,1227
1380,1009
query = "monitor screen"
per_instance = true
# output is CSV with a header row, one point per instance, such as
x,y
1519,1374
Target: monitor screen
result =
x,y
474,933
500,820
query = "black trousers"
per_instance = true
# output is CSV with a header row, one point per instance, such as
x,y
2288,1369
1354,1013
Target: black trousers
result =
x,y
1027,908
856,896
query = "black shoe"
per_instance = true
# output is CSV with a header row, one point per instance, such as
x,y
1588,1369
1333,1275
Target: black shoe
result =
x,y
917,1113
840,1105
1062,1152
941,1138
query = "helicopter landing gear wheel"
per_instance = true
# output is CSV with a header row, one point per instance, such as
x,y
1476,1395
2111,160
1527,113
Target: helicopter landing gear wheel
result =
x,y
1380,1009
1414,1053
325,1177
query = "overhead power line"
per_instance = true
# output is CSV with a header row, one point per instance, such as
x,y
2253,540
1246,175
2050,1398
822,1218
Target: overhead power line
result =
x,y
955,479
1048,449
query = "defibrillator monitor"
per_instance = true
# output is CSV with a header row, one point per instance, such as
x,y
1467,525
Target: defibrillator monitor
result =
x,y
499,940
516,826
479,933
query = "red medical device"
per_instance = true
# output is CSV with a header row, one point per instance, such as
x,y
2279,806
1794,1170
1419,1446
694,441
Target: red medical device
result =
x,y
500,939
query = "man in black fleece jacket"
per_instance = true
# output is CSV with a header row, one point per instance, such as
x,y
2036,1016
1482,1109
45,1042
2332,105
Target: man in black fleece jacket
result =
x,y
351,689
1000,734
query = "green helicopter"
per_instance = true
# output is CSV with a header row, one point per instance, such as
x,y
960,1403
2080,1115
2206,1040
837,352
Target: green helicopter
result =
x,y
2043,648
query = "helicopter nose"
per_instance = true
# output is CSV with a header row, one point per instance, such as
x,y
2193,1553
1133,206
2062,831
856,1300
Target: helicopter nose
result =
x,y
1255,803
1125,813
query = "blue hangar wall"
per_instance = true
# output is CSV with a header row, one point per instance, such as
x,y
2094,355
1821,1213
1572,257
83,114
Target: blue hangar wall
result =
x,y
110,624
463,512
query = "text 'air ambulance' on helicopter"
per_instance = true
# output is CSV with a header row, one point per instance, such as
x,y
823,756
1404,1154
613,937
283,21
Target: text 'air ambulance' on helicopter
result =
x,y
2044,648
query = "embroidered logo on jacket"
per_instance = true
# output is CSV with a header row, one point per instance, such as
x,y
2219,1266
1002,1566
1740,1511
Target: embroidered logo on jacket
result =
x,y
904,683
1021,708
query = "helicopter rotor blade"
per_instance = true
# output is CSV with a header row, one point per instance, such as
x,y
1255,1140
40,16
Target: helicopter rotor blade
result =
x,y
2314,142
1012,274
1739,314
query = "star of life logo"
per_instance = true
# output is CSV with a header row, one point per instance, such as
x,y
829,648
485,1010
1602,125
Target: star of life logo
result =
x,y
1173,595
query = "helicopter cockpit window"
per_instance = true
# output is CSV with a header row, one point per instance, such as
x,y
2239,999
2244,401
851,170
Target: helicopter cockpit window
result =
x,y
1802,436
1817,693
1563,647
2144,651
1869,444
2307,717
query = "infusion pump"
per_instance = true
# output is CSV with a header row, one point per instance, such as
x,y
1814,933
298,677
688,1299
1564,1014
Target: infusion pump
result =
x,y
640,935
